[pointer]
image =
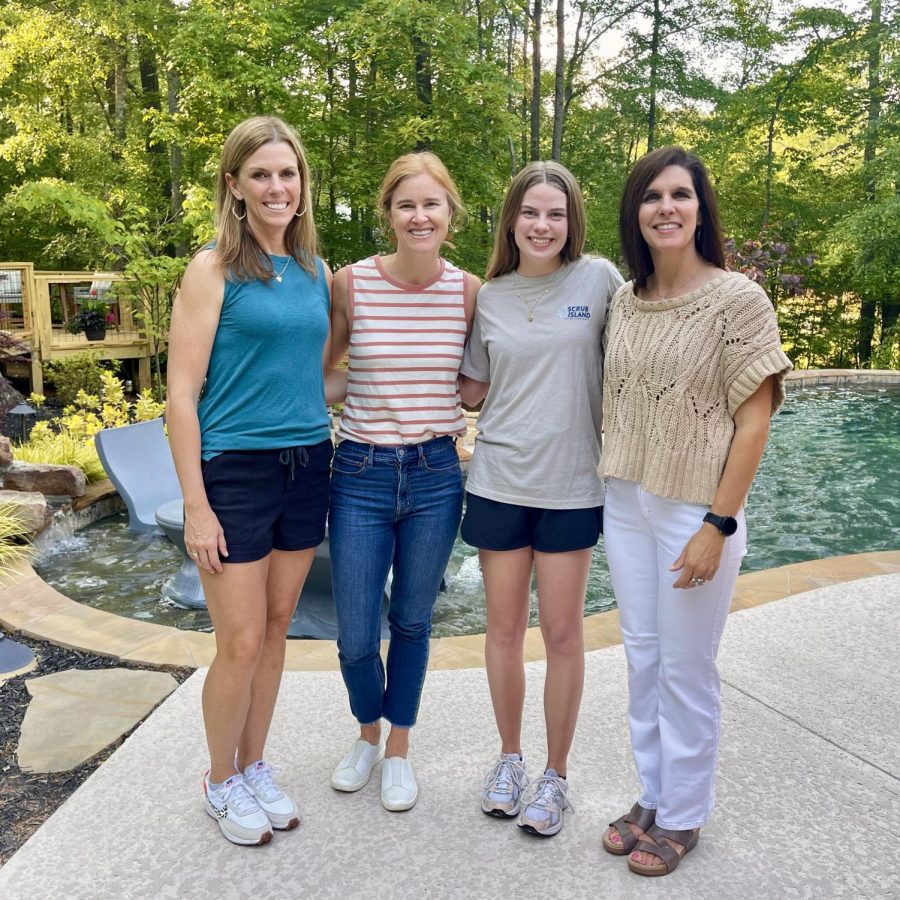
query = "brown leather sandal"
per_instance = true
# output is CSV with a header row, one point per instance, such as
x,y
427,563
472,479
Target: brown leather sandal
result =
x,y
659,846
637,815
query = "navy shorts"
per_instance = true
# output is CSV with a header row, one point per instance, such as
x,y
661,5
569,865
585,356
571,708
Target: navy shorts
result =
x,y
491,525
269,499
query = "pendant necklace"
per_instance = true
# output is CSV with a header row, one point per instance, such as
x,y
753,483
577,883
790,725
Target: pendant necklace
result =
x,y
678,287
280,275
531,303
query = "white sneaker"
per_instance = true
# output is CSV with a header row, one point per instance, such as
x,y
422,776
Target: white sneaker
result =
x,y
237,812
355,769
544,803
503,786
281,811
399,790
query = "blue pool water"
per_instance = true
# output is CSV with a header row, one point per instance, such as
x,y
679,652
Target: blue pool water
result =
x,y
827,486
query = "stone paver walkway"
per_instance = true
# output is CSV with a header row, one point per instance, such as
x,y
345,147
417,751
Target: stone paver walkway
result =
x,y
808,793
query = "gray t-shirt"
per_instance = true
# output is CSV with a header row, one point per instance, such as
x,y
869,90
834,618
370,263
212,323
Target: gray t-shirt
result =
x,y
538,441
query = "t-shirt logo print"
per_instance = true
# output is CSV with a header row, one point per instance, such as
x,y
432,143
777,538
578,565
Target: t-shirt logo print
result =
x,y
574,311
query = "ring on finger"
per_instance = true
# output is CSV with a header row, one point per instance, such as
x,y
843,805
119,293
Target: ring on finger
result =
x,y
697,581
195,553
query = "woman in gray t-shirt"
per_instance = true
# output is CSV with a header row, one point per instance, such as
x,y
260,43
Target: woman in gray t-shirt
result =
x,y
534,497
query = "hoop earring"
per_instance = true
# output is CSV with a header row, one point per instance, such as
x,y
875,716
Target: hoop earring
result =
x,y
233,209
301,214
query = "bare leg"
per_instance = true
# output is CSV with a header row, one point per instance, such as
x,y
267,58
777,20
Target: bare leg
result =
x,y
287,574
562,582
507,585
236,598
397,742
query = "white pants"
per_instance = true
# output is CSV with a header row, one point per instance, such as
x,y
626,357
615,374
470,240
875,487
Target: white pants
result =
x,y
671,639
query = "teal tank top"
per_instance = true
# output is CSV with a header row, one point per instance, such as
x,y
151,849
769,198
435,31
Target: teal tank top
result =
x,y
264,388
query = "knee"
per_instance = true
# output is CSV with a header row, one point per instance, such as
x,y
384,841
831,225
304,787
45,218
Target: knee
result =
x,y
506,636
565,639
357,648
277,625
410,629
240,652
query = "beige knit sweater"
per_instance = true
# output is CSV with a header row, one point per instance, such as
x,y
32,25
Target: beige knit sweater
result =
x,y
675,372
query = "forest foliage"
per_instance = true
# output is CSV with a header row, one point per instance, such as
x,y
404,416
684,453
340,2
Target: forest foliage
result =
x,y
113,113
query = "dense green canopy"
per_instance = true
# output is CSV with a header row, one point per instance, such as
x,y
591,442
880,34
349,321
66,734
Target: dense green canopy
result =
x,y
113,112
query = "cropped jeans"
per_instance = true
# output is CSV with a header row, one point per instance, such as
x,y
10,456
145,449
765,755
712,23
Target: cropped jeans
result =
x,y
671,638
394,506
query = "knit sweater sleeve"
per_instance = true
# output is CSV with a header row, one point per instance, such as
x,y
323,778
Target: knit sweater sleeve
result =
x,y
752,347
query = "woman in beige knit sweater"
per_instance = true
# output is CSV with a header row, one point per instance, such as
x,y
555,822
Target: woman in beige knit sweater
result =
x,y
693,372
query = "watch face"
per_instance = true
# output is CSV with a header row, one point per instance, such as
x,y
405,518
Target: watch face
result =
x,y
729,525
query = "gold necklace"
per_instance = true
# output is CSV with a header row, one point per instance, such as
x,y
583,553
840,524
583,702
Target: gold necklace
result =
x,y
674,292
531,304
280,275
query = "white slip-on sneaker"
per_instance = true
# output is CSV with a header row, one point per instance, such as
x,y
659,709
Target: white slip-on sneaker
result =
x,y
237,812
502,787
399,790
355,769
281,811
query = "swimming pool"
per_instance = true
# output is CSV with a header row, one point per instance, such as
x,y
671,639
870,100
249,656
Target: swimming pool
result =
x,y
827,486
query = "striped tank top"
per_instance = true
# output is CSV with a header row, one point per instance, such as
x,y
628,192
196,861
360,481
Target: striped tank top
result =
x,y
406,346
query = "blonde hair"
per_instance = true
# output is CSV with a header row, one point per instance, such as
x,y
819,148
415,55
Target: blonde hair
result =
x,y
505,256
239,252
422,163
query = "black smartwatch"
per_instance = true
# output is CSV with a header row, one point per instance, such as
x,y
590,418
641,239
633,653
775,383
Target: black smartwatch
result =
x,y
726,524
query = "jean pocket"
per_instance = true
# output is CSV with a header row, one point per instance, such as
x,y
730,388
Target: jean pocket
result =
x,y
349,462
443,461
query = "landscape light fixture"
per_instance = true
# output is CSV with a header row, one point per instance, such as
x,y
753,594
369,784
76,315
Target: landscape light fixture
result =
x,y
23,410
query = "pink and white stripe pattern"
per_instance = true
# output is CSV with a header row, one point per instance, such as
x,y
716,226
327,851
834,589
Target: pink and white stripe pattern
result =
x,y
406,346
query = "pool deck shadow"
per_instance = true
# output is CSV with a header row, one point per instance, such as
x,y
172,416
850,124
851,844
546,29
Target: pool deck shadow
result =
x,y
808,789
30,606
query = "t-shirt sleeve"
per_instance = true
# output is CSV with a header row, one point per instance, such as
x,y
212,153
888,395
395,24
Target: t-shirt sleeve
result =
x,y
476,362
752,348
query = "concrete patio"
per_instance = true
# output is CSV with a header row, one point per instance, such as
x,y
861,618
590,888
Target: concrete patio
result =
x,y
808,790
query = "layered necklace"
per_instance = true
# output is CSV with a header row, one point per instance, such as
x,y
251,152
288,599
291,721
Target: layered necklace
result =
x,y
280,275
531,303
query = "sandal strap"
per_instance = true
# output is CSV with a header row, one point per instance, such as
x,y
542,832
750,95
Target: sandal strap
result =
x,y
670,857
665,851
637,815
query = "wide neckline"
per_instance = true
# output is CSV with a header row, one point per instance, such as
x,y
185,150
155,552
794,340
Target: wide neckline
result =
x,y
684,299
409,285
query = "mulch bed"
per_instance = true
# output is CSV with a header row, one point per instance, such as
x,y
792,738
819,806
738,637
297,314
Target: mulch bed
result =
x,y
26,799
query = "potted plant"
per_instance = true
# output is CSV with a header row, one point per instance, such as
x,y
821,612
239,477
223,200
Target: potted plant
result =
x,y
92,318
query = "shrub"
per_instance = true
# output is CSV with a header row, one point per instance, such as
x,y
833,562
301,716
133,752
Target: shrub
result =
x,y
69,440
81,372
13,538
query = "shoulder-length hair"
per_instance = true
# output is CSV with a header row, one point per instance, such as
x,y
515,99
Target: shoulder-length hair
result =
x,y
423,162
241,256
505,256
707,240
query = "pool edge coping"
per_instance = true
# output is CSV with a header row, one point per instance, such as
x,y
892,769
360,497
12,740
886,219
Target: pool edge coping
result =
x,y
30,606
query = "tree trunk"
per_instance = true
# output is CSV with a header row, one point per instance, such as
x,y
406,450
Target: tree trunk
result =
x,y
173,91
559,105
654,76
423,83
535,142
868,308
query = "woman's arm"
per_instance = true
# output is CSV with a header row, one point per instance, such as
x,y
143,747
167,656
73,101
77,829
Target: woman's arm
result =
x,y
195,317
472,392
335,379
471,286
701,555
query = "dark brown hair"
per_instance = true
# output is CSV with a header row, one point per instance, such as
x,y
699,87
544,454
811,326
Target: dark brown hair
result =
x,y
708,239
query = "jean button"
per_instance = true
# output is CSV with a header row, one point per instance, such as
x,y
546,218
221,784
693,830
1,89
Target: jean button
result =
x,y
401,452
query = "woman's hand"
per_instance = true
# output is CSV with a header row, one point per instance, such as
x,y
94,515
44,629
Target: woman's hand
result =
x,y
699,561
204,539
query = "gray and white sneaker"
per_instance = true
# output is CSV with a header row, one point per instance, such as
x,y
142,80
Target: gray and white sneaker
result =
x,y
544,803
280,809
236,811
503,786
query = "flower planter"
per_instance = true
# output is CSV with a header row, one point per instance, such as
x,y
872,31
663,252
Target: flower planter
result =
x,y
95,334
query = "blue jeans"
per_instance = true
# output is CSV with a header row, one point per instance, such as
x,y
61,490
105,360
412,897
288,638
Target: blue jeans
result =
x,y
394,506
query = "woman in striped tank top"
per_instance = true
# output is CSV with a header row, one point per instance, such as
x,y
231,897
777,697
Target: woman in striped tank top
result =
x,y
396,490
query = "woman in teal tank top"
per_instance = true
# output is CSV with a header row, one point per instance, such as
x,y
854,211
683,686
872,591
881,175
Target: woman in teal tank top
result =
x,y
250,435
